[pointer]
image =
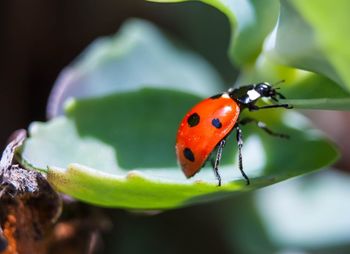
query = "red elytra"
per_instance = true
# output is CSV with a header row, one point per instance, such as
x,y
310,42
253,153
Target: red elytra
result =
x,y
201,136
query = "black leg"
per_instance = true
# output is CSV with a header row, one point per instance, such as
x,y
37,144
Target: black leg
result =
x,y
262,126
240,160
215,163
254,107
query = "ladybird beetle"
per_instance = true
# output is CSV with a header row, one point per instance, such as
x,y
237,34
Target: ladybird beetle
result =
x,y
205,127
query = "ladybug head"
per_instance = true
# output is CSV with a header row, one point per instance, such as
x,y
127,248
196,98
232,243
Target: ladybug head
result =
x,y
267,90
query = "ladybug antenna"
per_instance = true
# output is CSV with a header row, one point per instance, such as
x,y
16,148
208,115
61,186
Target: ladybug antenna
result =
x,y
281,96
277,83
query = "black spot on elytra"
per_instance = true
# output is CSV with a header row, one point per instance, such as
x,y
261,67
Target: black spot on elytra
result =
x,y
188,154
217,96
216,123
193,120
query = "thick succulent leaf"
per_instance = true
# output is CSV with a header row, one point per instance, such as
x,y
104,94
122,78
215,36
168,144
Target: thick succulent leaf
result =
x,y
251,21
138,55
132,190
118,151
314,36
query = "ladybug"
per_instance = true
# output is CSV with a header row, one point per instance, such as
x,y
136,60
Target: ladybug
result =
x,y
205,127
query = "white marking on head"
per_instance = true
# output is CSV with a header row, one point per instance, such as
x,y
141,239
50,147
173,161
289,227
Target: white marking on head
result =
x,y
253,95
225,95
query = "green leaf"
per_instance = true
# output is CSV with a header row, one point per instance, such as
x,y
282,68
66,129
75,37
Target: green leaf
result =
x,y
314,36
118,151
313,46
251,21
322,103
138,55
